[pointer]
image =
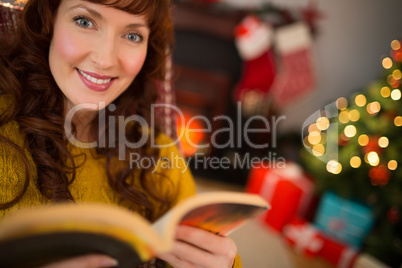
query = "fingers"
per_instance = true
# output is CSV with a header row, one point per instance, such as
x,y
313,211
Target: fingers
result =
x,y
206,240
190,255
177,262
87,261
198,248
185,255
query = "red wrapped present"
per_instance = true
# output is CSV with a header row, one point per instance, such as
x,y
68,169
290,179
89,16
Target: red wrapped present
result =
x,y
338,253
287,189
303,237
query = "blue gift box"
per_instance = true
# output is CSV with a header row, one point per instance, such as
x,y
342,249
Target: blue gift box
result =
x,y
344,219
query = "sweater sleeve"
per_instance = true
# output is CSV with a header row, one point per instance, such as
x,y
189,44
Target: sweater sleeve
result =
x,y
13,171
237,262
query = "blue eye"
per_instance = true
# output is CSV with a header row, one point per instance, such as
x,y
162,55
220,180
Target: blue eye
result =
x,y
83,22
134,37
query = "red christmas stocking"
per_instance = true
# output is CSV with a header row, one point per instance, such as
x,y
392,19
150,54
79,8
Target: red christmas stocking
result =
x,y
254,43
296,74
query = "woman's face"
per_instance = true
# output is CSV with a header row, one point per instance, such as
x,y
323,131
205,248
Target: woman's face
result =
x,y
96,51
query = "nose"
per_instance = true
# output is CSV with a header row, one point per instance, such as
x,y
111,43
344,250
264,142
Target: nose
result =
x,y
104,53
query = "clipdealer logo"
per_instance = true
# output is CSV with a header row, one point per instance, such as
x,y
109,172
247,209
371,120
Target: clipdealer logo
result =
x,y
238,130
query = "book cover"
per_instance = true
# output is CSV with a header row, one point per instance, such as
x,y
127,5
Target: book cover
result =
x,y
49,233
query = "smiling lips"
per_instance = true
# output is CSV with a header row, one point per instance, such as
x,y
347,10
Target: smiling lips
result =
x,y
94,81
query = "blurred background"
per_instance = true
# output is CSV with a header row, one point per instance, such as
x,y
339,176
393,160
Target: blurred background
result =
x,y
317,84
325,76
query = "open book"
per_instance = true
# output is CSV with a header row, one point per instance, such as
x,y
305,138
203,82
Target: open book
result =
x,y
36,236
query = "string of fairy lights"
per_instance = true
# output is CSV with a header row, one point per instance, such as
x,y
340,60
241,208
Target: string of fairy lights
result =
x,y
350,114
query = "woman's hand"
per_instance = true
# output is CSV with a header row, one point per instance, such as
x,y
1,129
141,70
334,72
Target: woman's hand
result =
x,y
87,261
195,247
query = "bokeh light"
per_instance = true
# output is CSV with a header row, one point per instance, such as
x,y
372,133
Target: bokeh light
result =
x,y
398,121
392,165
363,140
360,100
354,115
322,123
350,131
397,74
314,137
313,128
383,142
387,63
355,162
334,167
395,45
342,103
373,158
373,107
318,150
385,92
396,94
344,117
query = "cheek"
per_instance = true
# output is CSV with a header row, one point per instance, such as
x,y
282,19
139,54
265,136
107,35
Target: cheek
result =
x,y
132,65
67,47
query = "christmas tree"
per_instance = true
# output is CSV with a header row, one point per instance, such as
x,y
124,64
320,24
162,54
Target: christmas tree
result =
x,y
366,163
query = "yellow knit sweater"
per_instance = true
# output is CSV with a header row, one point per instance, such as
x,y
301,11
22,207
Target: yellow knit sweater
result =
x,y
91,183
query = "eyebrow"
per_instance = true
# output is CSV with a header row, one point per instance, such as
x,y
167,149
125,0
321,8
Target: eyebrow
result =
x,y
136,25
90,10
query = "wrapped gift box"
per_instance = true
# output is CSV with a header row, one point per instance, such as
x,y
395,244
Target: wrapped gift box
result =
x,y
340,254
287,189
310,241
343,219
303,237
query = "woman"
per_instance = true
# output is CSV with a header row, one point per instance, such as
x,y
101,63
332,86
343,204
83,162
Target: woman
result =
x,y
103,57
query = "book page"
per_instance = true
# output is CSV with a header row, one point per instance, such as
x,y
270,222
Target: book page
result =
x,y
220,218
217,212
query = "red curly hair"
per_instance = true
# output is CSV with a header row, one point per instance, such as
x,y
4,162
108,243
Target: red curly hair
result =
x,y
37,102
